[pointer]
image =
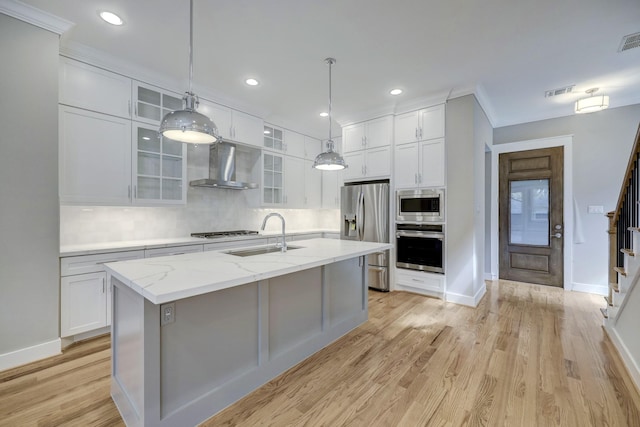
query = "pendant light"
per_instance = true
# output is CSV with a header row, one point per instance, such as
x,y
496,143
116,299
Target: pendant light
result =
x,y
592,103
187,125
329,160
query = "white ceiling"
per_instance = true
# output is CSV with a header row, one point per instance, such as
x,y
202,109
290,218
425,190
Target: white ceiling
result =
x,y
507,52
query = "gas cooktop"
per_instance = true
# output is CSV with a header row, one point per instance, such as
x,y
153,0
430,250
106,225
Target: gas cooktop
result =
x,y
218,234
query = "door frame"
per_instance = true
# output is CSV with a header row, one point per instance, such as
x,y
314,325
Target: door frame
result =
x,y
565,141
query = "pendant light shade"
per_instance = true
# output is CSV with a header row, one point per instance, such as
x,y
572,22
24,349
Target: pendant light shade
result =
x,y
187,125
592,103
329,160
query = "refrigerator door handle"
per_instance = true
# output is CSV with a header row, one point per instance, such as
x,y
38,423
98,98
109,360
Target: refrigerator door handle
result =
x,y
360,215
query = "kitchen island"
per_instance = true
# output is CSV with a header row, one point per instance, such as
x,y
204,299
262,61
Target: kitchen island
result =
x,y
193,333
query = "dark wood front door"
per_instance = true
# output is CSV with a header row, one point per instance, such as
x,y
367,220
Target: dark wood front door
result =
x,y
531,216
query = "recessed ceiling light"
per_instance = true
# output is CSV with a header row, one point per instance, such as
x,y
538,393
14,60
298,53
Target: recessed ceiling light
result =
x,y
324,114
111,18
395,91
252,82
146,138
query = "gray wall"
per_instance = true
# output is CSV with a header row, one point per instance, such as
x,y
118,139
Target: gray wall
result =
x,y
602,143
467,132
29,219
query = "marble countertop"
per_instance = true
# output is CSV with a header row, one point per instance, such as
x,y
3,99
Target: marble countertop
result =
x,y
170,278
132,245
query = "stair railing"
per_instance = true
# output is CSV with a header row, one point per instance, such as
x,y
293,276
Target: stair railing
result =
x,y
624,218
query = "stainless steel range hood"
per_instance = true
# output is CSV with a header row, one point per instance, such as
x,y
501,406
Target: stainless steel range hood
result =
x,y
222,169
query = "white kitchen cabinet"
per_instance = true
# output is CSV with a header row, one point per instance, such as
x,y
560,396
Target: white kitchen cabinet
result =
x,y
84,303
272,179
312,147
95,89
294,144
152,103
420,164
159,167
85,291
273,138
294,182
246,129
420,282
220,115
370,164
367,135
312,186
331,183
420,125
94,157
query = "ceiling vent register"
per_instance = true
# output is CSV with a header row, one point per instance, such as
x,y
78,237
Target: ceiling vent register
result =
x,y
630,41
559,91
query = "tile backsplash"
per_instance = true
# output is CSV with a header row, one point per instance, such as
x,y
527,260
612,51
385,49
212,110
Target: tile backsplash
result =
x,y
206,210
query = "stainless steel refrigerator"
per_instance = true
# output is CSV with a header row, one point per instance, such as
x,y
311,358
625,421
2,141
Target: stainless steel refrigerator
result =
x,y
364,212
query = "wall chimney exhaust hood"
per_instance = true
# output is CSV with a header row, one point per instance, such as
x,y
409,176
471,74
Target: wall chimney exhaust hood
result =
x,y
222,169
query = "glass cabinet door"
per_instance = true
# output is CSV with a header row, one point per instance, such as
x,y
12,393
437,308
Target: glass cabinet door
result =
x,y
160,167
273,138
272,179
152,104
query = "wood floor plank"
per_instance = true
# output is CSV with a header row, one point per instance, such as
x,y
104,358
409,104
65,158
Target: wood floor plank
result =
x,y
526,356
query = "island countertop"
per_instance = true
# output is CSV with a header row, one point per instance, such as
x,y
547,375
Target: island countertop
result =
x,y
171,278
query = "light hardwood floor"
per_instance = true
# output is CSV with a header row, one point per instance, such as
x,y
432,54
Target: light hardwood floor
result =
x,y
526,356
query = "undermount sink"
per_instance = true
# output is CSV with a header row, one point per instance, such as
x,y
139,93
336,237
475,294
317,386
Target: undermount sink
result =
x,y
259,251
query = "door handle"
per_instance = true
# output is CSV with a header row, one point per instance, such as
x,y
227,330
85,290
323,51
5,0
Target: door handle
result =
x,y
557,235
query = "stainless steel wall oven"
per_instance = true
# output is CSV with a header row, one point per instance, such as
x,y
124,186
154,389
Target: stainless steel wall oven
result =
x,y
420,247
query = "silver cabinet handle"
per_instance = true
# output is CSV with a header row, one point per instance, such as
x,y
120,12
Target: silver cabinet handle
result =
x,y
420,133
419,178
104,287
557,235
129,107
416,133
128,191
415,178
135,191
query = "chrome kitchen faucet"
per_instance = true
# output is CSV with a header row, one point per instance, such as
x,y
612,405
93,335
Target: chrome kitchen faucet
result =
x,y
264,223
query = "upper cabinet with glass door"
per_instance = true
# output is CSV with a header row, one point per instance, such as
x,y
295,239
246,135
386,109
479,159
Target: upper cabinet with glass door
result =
x,y
159,169
273,138
152,103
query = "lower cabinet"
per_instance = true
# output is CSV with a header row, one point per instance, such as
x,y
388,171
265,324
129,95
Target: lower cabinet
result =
x,y
85,294
420,282
84,303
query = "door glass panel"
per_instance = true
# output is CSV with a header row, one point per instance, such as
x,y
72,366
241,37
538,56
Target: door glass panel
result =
x,y
529,212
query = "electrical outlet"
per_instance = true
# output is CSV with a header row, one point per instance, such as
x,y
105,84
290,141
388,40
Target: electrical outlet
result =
x,y
167,313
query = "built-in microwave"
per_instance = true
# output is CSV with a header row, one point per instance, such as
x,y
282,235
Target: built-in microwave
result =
x,y
425,205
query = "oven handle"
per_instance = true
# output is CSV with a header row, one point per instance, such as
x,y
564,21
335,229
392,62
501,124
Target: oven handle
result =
x,y
427,234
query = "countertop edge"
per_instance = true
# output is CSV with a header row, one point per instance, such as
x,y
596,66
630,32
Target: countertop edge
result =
x,y
181,294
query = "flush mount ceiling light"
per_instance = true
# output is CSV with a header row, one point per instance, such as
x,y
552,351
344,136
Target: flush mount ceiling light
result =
x,y
395,91
324,114
110,18
329,160
252,82
187,125
592,103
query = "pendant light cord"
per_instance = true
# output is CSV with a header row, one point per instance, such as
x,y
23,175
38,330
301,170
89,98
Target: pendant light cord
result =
x,y
190,44
330,63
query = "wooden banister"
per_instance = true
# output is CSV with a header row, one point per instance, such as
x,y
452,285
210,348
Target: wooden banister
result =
x,y
625,218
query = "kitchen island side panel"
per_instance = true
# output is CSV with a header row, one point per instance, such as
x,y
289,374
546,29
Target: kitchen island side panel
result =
x,y
214,352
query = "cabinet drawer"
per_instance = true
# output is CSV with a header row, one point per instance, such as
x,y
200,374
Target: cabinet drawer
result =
x,y
235,244
174,250
93,263
306,236
426,281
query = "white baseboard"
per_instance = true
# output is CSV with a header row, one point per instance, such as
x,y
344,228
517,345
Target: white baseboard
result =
x,y
627,359
591,289
29,354
471,301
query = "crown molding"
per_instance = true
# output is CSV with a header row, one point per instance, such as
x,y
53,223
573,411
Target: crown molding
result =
x,y
34,16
